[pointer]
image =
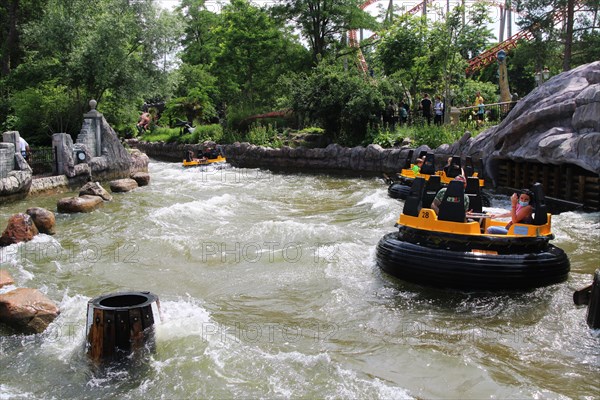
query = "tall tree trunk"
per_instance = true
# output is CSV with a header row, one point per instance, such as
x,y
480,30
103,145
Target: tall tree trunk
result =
x,y
502,21
10,46
569,35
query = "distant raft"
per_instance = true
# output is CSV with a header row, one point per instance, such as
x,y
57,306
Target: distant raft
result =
x,y
198,162
399,186
448,251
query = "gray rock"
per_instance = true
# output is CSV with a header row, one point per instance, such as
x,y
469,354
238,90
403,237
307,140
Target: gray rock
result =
x,y
123,185
95,189
81,204
557,123
142,178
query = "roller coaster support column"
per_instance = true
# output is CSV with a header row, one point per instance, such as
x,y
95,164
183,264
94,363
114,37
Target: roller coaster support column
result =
x,y
503,77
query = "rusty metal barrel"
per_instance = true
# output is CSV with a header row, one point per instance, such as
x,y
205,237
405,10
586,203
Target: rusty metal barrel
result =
x,y
119,324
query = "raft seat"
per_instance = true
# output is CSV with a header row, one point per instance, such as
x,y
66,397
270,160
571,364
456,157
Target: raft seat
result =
x,y
540,216
414,201
428,167
434,184
452,206
473,191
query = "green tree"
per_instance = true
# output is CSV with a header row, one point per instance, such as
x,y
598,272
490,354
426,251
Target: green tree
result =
x,y
254,50
323,22
103,49
339,100
196,95
200,44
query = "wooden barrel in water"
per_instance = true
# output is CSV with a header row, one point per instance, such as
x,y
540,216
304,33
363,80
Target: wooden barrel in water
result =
x,y
119,324
593,316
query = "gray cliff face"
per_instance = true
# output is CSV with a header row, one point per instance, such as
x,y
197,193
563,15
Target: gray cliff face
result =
x,y
557,123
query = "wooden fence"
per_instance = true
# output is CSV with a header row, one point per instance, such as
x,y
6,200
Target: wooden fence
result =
x,y
564,182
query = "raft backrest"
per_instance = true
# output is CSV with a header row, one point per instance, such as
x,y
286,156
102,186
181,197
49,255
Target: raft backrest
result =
x,y
434,184
452,207
539,205
408,159
474,192
454,169
469,168
428,164
414,201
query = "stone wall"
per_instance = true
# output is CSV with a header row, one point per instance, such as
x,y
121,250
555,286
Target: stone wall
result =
x,y
372,160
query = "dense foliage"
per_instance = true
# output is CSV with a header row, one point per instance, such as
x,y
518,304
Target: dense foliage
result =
x,y
222,65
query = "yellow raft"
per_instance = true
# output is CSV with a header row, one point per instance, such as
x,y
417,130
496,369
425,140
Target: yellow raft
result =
x,y
197,162
453,250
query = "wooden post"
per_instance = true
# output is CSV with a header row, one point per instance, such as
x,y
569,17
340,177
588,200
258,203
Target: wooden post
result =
x,y
557,181
568,182
581,188
545,177
119,324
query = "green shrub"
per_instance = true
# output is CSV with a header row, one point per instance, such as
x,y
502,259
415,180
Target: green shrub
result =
x,y
261,135
160,134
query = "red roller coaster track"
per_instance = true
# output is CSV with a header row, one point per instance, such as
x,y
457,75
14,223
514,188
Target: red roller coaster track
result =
x,y
478,62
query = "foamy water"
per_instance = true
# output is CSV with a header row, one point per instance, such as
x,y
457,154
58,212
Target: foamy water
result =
x,y
268,288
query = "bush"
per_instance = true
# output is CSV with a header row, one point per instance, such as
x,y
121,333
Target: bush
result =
x,y
264,136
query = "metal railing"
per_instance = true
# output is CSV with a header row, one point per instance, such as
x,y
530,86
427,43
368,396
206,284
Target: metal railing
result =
x,y
42,160
494,112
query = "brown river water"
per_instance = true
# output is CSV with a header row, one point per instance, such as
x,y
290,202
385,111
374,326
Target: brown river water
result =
x,y
268,288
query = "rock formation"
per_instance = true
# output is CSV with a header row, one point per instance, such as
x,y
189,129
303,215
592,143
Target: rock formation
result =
x,y
5,278
557,123
79,204
43,219
123,185
20,228
95,189
28,310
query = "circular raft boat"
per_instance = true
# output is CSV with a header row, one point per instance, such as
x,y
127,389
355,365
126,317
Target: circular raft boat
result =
x,y
450,252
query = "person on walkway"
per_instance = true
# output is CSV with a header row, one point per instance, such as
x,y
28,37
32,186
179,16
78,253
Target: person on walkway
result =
x,y
144,122
403,110
479,103
438,109
425,106
24,148
521,212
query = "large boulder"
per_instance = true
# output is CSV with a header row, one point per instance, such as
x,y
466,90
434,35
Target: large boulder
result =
x,y
27,310
556,123
95,189
142,178
81,204
122,185
43,219
20,228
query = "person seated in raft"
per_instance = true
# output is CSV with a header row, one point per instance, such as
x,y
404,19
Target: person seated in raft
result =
x,y
189,155
521,212
435,204
448,167
417,166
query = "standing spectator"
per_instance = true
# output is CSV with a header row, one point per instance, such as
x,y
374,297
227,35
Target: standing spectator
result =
x,y
438,108
24,148
426,108
480,108
403,111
